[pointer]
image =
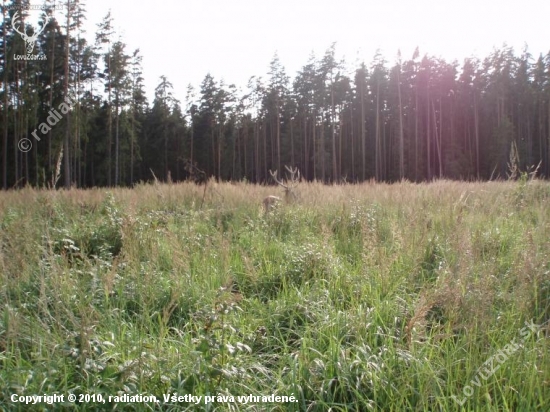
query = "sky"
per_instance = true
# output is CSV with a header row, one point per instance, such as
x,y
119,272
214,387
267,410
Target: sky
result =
x,y
236,39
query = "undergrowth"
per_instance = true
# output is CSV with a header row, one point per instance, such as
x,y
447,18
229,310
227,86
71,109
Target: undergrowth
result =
x,y
356,298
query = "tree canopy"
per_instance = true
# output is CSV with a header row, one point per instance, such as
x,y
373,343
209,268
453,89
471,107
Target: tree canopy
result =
x,y
417,118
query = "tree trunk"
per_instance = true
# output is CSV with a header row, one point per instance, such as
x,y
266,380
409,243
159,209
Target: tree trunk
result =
x,y
291,144
213,168
378,155
429,170
257,149
117,145
548,143
314,144
264,129
476,127
220,132
278,138
5,111
437,138
66,152
109,121
133,136
192,140
16,128
333,126
341,123
322,143
416,134
352,144
78,160
245,148
306,148
401,138
50,101
363,137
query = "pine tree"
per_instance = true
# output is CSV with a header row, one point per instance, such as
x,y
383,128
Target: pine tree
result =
x,y
275,98
120,85
137,110
103,44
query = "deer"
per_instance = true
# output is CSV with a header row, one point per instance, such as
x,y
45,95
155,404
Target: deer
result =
x,y
290,196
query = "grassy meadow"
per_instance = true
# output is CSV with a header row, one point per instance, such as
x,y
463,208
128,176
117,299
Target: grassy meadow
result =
x,y
371,297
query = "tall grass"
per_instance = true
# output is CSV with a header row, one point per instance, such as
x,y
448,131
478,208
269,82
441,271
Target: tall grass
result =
x,y
356,298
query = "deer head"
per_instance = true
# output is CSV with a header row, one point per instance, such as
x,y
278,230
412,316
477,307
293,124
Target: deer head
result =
x,y
293,177
29,40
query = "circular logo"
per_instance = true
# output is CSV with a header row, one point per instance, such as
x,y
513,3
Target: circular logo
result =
x,y
25,145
